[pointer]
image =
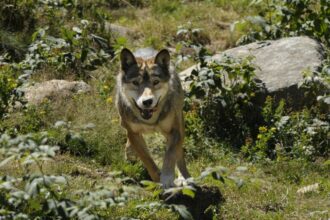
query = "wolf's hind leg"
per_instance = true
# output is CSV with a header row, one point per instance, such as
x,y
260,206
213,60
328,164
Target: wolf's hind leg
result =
x,y
136,142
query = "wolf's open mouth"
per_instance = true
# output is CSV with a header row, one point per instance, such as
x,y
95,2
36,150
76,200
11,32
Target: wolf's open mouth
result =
x,y
147,113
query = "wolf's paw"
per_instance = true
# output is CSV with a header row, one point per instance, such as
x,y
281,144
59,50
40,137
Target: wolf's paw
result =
x,y
167,180
181,181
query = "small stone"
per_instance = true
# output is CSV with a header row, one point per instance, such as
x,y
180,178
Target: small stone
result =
x,y
53,89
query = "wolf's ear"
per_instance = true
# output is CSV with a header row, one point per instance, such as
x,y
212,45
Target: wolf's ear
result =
x,y
163,58
127,59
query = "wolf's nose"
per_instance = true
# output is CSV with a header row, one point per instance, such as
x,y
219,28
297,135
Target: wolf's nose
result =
x,y
147,103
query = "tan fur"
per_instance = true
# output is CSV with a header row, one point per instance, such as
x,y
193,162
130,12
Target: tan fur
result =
x,y
167,118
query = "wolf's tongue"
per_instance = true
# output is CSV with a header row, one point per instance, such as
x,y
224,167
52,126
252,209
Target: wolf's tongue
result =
x,y
146,113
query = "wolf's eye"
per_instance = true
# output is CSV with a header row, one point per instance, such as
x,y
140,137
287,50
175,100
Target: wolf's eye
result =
x,y
156,82
135,83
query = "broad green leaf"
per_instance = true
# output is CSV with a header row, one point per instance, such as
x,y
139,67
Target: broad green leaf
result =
x,y
183,211
188,192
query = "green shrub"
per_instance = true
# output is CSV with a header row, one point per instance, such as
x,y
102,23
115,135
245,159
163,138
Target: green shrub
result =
x,y
17,15
136,171
12,47
296,134
223,104
34,118
289,18
28,119
71,138
197,144
188,36
76,51
302,134
33,194
224,92
8,89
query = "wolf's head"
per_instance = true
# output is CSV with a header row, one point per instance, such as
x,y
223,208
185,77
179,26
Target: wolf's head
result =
x,y
145,80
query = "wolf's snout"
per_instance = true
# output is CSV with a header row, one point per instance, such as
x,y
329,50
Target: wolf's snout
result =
x,y
147,103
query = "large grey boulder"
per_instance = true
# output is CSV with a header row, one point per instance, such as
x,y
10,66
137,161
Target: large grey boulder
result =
x,y
280,63
53,89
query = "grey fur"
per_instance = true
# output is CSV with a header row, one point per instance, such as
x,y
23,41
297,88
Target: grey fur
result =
x,y
173,98
166,115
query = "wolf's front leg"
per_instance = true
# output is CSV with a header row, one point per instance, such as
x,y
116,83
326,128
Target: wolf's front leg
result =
x,y
130,154
174,142
136,142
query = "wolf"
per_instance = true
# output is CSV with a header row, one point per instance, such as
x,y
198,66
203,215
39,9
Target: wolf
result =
x,y
149,98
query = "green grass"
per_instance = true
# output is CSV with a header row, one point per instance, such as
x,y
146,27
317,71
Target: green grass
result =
x,y
269,190
167,16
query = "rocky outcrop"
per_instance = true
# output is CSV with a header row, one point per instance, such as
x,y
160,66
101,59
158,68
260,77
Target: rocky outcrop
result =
x,y
280,63
53,89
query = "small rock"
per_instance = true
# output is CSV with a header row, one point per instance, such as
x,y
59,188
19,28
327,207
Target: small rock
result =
x,y
310,188
119,30
60,124
53,89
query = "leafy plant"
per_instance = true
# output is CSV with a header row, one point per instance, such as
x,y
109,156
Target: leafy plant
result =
x,y
189,41
190,36
17,15
316,86
8,89
303,134
34,194
289,18
223,103
71,138
152,207
224,92
34,118
189,188
77,50
300,134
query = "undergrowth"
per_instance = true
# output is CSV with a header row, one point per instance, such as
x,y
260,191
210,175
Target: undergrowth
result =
x,y
227,104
